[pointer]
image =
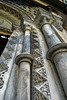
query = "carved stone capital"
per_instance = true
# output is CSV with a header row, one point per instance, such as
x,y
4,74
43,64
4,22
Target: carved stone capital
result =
x,y
53,51
58,21
24,58
42,18
45,17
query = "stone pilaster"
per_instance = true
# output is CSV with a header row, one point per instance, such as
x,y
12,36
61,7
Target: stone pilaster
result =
x,y
24,60
11,88
6,65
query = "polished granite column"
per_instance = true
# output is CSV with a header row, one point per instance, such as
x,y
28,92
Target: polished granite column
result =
x,y
24,61
57,53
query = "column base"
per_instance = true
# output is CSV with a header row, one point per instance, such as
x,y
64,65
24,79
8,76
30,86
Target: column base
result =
x,y
53,51
23,58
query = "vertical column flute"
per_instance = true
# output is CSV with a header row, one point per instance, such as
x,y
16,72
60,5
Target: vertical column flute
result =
x,y
24,60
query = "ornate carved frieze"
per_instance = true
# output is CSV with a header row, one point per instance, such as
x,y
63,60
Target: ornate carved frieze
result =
x,y
37,64
42,71
38,95
29,13
40,84
5,24
37,53
36,45
37,78
40,59
45,90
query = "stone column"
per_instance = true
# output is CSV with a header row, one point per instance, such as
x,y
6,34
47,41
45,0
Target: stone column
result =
x,y
57,53
50,36
24,60
26,47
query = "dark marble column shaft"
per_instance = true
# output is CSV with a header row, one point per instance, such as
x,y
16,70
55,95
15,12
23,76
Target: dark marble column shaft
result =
x,y
50,36
26,46
57,53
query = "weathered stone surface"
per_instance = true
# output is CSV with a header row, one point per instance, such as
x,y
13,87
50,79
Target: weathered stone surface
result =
x,y
23,91
12,84
39,75
37,78
26,46
36,64
50,36
60,61
37,53
43,85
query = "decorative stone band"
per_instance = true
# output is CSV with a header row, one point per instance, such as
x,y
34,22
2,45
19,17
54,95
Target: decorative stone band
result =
x,y
53,51
24,58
